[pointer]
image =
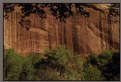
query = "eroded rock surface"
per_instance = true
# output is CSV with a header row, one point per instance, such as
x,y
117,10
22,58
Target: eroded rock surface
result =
x,y
82,35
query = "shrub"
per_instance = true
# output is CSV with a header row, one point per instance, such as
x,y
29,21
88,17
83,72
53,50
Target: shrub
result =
x,y
66,66
48,73
17,67
106,65
12,65
92,73
105,57
93,59
56,64
61,64
90,68
111,69
29,70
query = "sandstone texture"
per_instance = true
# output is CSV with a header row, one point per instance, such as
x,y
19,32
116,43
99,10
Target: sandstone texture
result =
x,y
82,35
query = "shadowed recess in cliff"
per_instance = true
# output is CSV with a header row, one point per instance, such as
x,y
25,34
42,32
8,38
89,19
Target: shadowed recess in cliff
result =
x,y
109,31
74,34
100,28
65,35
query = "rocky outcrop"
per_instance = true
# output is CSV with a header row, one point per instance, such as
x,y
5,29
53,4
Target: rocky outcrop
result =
x,y
82,35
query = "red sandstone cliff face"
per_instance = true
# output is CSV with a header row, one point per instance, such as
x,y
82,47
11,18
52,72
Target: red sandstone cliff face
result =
x,y
82,35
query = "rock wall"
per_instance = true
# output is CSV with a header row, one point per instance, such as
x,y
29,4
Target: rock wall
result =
x,y
82,35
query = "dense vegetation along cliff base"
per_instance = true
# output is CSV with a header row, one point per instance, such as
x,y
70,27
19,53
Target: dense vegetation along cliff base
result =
x,y
61,64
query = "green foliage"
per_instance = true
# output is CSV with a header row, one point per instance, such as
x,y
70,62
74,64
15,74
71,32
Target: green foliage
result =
x,y
61,64
93,59
57,56
12,65
105,57
106,66
17,67
66,66
56,64
111,68
92,73
28,71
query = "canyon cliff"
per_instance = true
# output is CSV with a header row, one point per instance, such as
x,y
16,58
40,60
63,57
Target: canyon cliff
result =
x,y
80,34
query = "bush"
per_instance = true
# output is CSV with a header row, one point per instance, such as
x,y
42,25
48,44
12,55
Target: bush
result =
x,y
12,65
92,73
61,64
93,59
111,68
28,69
66,66
17,67
106,66
56,64
105,57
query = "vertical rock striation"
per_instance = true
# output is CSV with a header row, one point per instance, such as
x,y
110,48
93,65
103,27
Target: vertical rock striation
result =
x,y
80,34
